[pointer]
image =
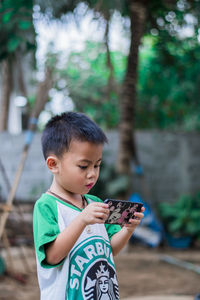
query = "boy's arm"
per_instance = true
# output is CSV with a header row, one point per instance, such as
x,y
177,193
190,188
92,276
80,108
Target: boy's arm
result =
x,y
57,250
121,238
60,247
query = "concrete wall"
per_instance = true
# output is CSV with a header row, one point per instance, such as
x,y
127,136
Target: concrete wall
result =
x,y
171,163
35,178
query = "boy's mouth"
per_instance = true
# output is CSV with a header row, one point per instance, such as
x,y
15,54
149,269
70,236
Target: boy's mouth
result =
x,y
89,186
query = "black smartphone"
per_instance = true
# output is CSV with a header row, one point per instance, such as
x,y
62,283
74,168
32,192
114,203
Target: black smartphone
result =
x,y
121,211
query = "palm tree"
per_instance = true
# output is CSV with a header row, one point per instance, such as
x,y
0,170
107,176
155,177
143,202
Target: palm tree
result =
x,y
127,145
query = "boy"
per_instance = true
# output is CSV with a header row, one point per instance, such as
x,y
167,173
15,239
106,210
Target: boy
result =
x,y
74,248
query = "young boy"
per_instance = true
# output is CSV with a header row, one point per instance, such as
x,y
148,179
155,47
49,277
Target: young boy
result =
x,y
74,248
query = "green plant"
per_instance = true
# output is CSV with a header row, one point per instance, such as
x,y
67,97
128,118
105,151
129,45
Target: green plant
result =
x,y
183,217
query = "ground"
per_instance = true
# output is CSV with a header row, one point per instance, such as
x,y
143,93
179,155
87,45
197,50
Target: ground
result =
x,y
140,272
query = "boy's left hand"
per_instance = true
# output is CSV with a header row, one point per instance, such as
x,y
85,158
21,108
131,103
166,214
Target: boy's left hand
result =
x,y
133,223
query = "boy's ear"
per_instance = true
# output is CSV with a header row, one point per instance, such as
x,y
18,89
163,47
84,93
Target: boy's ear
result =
x,y
52,163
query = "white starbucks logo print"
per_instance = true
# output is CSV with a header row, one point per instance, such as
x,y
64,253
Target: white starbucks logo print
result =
x,y
100,282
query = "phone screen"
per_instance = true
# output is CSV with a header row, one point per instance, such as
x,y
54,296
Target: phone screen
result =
x,y
121,211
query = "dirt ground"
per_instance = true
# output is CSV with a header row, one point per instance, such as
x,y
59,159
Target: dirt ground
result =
x,y
140,271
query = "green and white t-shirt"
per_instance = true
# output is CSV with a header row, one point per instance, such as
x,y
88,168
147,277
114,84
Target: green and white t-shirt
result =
x,y
88,271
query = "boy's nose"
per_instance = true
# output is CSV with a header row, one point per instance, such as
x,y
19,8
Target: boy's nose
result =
x,y
91,173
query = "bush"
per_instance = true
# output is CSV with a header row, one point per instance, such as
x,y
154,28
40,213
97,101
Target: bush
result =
x,y
183,217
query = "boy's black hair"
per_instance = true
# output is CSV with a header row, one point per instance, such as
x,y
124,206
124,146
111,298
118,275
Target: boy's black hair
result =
x,y
62,129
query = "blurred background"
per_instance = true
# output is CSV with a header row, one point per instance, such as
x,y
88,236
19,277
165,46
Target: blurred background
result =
x,y
133,67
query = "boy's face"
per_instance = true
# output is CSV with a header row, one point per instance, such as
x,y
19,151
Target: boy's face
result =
x,y
78,169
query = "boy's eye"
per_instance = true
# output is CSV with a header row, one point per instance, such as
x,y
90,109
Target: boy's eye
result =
x,y
97,166
83,167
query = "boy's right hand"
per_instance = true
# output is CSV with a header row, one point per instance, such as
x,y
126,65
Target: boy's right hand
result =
x,y
95,212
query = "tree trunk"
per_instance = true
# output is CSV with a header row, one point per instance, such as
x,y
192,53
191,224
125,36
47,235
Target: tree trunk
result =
x,y
20,75
110,84
6,92
127,146
41,98
22,90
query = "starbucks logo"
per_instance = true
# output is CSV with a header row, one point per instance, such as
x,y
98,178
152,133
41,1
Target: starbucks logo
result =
x,y
100,282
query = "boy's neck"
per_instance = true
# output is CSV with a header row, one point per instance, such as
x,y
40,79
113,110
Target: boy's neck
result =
x,y
74,198
82,206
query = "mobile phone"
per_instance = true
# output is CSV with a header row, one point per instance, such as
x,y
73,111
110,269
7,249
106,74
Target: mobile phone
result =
x,y
121,211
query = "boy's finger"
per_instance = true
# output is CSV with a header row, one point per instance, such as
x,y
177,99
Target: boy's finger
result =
x,y
134,221
139,215
99,204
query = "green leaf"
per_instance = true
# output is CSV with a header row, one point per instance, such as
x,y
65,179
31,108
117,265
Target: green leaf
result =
x,y
24,25
7,16
175,226
13,44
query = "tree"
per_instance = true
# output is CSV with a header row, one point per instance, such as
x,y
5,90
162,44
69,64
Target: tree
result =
x,y
173,60
137,10
127,147
145,16
17,37
173,103
87,76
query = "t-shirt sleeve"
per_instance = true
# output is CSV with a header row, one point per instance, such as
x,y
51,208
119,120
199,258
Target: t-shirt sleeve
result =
x,y
110,228
45,228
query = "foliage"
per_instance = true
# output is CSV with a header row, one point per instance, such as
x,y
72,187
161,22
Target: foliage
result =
x,y
87,75
166,57
168,88
59,9
182,217
173,103
16,27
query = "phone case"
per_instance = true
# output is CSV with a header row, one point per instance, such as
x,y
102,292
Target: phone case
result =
x,y
121,211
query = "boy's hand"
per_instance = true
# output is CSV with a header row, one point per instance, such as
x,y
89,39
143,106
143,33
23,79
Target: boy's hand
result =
x,y
95,212
133,223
